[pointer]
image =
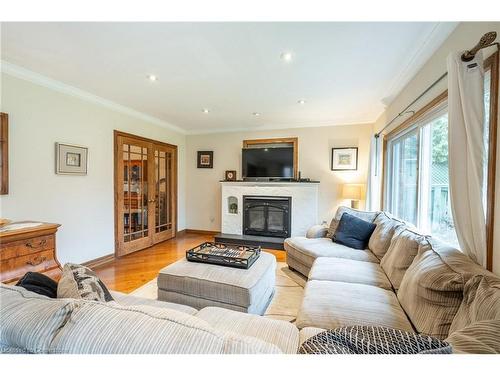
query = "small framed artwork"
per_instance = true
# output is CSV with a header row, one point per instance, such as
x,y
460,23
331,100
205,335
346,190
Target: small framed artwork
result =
x,y
230,176
345,159
205,159
71,159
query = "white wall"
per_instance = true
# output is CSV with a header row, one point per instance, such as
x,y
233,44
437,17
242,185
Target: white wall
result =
x,y
204,191
39,117
465,36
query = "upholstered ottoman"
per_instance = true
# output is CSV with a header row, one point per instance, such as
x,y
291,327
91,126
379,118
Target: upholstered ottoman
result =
x,y
200,285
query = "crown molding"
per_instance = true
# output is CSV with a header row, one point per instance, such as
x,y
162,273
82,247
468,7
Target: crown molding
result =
x,y
279,127
429,44
41,80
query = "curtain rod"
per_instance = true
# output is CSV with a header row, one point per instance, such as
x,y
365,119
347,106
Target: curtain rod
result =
x,y
487,40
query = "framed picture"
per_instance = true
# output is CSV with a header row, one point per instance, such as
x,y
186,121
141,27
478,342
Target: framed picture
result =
x,y
205,159
230,176
345,159
71,159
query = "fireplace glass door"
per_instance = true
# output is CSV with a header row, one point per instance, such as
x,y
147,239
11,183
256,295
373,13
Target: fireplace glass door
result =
x,y
266,216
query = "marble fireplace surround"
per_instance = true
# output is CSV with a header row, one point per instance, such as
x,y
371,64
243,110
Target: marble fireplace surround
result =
x,y
304,203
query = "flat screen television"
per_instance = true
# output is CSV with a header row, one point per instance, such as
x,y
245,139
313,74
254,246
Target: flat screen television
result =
x,y
267,162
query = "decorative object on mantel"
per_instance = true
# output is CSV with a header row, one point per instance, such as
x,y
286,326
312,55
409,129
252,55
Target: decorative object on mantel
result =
x,y
352,192
230,176
26,247
345,159
205,159
71,159
4,153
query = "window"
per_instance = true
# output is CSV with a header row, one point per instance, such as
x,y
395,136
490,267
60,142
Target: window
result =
x,y
418,172
418,178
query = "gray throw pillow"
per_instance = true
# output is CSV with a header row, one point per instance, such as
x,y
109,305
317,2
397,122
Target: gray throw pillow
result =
x,y
81,282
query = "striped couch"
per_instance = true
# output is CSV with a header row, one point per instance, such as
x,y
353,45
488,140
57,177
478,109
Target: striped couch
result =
x,y
403,280
31,323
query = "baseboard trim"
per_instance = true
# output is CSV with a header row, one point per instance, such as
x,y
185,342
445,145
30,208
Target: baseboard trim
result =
x,y
99,261
201,231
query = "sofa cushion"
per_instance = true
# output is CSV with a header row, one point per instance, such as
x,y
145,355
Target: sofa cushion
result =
x,y
364,215
81,282
482,337
332,304
481,301
99,328
306,250
29,321
128,300
433,287
402,250
381,238
349,271
353,232
282,334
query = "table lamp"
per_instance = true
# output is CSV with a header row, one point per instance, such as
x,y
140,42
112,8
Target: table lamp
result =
x,y
352,192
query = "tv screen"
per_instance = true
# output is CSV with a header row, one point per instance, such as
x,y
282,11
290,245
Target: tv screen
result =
x,y
268,162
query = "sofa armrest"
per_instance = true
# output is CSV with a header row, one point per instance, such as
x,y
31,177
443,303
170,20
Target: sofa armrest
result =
x,y
317,231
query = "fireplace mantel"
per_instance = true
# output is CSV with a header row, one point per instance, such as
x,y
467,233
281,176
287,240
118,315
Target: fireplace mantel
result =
x,y
304,196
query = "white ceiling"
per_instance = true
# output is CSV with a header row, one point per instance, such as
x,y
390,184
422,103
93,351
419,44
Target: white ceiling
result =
x,y
345,71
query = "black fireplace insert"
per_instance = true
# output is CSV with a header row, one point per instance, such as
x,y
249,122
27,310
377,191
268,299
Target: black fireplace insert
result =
x,y
267,216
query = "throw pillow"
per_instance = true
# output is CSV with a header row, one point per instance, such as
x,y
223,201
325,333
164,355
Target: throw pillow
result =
x,y
353,232
82,283
372,340
38,283
365,215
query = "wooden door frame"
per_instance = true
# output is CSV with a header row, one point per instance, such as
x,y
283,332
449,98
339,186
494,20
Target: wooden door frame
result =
x,y
116,158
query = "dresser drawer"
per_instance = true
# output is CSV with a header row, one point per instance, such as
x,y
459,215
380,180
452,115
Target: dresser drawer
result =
x,y
17,267
28,246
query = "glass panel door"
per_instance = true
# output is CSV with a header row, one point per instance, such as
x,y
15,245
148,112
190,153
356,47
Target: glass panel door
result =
x,y
164,196
132,188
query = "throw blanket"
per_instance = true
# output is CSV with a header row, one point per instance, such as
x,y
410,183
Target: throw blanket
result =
x,y
372,340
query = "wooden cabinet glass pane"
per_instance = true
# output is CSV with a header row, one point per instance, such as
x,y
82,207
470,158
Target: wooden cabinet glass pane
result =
x,y
126,193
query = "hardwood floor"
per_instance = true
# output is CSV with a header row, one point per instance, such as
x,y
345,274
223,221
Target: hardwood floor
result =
x,y
131,271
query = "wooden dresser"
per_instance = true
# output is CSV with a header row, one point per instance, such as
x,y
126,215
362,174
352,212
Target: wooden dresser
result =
x,y
29,249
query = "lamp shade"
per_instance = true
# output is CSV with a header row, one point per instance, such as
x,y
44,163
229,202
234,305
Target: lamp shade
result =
x,y
351,191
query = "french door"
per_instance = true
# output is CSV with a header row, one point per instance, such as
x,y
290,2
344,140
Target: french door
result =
x,y
145,192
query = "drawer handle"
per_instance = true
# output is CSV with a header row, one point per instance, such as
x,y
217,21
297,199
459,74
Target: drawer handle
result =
x,y
36,261
41,244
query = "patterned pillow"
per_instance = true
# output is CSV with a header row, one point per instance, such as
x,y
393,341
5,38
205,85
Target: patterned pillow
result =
x,y
372,340
82,283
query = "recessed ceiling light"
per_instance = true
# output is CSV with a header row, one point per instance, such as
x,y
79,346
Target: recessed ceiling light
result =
x,y
301,101
256,114
286,56
152,77
205,110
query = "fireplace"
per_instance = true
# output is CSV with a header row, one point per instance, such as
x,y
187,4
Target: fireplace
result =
x,y
267,216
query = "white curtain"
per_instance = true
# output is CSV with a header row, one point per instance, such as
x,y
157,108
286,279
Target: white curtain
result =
x,y
467,153
374,184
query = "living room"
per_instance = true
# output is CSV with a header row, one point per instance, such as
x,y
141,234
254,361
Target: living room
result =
x,y
249,187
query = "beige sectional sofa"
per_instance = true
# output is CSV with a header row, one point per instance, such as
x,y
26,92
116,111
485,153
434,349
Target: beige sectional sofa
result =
x,y
31,323
403,280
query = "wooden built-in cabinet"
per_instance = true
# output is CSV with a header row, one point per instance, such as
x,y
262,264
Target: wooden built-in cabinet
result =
x,y
145,192
29,249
